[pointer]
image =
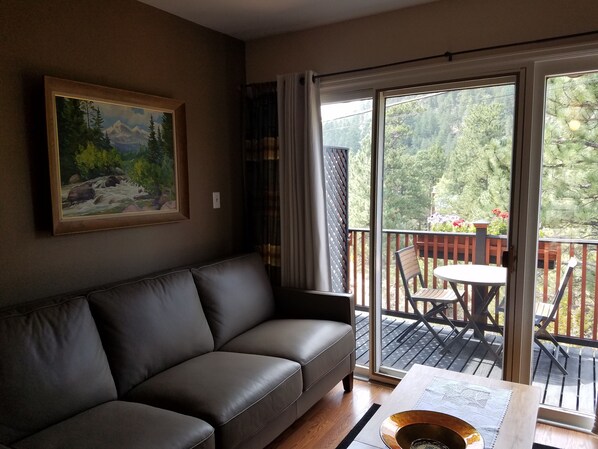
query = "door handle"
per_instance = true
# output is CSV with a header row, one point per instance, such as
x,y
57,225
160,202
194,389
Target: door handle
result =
x,y
505,259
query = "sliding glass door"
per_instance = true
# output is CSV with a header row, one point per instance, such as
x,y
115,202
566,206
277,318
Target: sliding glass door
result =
x,y
566,289
444,178
462,172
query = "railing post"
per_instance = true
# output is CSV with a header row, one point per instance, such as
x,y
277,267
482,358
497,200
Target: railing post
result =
x,y
479,292
481,235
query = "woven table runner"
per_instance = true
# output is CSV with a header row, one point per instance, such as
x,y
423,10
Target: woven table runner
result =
x,y
483,408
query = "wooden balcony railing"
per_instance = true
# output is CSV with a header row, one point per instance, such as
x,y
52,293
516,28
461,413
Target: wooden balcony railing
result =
x,y
576,321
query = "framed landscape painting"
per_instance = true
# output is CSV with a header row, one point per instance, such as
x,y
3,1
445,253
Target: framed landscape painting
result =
x,y
117,158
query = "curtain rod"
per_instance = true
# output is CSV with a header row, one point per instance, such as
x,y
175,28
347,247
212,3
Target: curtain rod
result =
x,y
449,55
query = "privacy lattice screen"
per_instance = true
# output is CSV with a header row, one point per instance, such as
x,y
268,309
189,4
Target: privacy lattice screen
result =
x,y
336,161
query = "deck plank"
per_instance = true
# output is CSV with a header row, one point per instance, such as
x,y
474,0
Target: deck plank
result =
x,y
570,392
576,391
587,382
555,379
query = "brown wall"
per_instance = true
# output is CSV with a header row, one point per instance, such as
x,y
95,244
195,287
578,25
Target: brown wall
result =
x,y
127,45
419,31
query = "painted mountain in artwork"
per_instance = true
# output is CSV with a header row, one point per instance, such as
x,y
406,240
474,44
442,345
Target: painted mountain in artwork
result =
x,y
125,138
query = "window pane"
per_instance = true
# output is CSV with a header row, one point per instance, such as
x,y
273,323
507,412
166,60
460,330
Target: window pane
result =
x,y
568,229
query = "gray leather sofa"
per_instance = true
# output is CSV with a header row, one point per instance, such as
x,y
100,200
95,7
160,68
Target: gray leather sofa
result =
x,y
200,357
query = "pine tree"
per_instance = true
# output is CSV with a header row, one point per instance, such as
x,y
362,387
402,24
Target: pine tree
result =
x,y
160,140
167,135
570,166
98,137
155,155
72,134
477,177
406,194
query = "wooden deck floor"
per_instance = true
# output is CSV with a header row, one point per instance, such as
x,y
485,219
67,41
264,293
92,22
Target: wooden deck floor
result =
x,y
575,391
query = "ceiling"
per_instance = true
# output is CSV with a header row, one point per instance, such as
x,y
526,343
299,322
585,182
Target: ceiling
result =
x,y
252,19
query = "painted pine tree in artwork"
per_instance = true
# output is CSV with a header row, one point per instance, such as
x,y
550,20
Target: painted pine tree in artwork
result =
x,y
85,149
154,151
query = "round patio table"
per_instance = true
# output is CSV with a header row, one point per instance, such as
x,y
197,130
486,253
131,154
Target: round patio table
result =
x,y
476,275
485,275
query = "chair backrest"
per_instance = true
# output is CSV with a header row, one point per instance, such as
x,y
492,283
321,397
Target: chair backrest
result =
x,y
409,266
556,301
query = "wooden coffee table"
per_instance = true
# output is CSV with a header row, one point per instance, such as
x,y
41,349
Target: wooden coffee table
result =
x,y
517,429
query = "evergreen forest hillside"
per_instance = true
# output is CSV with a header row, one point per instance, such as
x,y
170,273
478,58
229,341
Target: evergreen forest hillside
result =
x,y
447,158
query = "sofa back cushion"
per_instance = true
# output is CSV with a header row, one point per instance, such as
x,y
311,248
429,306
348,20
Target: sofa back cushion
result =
x,y
150,325
52,366
236,295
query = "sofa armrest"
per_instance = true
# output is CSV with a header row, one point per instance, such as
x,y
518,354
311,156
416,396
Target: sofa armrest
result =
x,y
297,303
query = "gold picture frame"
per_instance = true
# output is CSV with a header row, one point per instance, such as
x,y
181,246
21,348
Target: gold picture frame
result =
x,y
117,158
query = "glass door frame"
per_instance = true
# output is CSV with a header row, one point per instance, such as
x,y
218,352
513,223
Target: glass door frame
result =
x,y
557,66
463,82
531,67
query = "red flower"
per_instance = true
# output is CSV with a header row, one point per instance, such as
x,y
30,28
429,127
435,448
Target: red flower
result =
x,y
496,211
458,223
504,215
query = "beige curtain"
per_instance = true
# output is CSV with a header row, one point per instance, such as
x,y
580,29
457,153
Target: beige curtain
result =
x,y
305,256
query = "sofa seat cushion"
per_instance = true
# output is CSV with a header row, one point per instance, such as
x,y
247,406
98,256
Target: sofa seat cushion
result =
x,y
124,425
150,325
52,366
236,295
238,394
318,345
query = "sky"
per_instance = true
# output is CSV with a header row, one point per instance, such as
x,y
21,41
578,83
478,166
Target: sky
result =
x,y
131,116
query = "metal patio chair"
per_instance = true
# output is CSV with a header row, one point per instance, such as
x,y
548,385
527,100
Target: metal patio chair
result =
x,y
439,298
545,313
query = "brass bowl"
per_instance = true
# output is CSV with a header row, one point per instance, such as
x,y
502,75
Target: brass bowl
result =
x,y
400,430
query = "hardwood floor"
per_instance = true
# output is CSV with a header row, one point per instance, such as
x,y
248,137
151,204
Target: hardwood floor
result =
x,y
563,438
327,423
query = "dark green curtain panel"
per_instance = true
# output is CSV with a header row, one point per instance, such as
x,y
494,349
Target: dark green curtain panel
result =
x,y
262,194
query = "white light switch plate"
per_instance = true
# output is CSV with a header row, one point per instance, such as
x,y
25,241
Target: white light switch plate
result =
x,y
216,200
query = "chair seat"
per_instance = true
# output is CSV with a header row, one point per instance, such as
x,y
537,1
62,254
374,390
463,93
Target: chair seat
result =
x,y
437,295
543,310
